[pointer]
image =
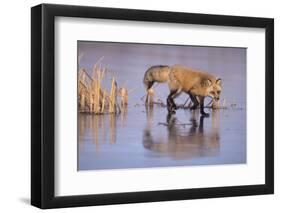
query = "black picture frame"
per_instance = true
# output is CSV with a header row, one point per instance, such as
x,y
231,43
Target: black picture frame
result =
x,y
43,105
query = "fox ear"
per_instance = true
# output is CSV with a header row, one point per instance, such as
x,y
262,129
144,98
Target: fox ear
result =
x,y
218,81
206,82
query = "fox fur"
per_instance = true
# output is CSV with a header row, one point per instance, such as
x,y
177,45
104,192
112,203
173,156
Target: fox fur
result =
x,y
197,84
158,73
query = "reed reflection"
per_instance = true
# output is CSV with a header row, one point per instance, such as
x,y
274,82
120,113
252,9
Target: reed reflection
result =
x,y
184,140
100,129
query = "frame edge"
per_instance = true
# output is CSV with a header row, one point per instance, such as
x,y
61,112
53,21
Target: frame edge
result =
x,y
36,85
269,106
42,86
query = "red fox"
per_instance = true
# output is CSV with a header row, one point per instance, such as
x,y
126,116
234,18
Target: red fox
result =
x,y
196,83
180,79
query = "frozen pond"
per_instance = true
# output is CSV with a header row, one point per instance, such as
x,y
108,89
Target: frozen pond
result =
x,y
143,138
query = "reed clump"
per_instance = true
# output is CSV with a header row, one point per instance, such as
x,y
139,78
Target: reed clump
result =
x,y
94,98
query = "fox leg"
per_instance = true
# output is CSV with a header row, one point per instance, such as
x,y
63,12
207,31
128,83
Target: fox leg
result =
x,y
149,85
170,101
171,105
194,101
201,100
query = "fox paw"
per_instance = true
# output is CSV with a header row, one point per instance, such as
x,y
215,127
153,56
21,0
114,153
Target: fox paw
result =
x,y
172,111
193,107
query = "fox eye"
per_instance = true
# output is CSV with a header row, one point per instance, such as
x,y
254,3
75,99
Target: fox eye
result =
x,y
212,93
219,92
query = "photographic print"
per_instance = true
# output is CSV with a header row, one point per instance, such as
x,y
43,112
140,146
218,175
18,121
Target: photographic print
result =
x,y
160,105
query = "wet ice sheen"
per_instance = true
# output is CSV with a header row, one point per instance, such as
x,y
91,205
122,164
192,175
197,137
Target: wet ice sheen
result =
x,y
137,140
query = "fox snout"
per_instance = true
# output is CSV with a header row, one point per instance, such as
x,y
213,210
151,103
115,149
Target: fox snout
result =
x,y
215,90
215,94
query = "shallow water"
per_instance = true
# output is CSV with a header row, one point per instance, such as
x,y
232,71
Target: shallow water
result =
x,y
141,138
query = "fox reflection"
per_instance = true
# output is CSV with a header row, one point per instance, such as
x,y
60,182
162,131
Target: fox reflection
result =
x,y
185,141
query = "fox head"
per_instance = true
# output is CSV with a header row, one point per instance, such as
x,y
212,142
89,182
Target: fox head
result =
x,y
213,88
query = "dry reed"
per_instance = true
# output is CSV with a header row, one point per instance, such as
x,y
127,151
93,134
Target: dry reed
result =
x,y
93,97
